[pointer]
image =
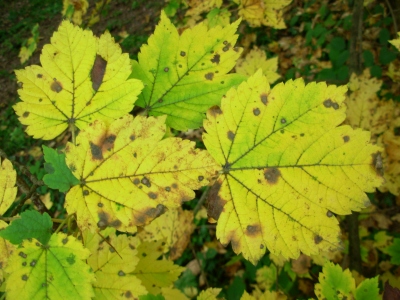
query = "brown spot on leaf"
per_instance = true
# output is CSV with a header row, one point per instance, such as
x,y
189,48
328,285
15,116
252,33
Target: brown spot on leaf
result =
x,y
215,59
272,175
25,277
377,163
226,48
121,273
231,135
329,103
215,204
329,214
183,53
168,189
264,98
215,110
346,138
100,204
253,230
256,111
115,224
22,254
317,239
200,178
146,182
261,246
209,76
97,73
26,114
136,181
128,294
64,241
39,75
85,192
174,185
152,195
56,86
283,120
103,220
96,151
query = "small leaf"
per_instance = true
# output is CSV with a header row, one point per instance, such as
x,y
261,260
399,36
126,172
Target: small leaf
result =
x,y
368,289
59,175
6,249
185,75
394,251
32,224
209,294
8,190
53,271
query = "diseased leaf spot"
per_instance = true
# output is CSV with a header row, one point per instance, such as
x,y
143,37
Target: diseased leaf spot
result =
x,y
103,220
283,120
115,223
85,193
22,254
231,135
225,42
377,163
261,246
71,259
209,76
56,86
253,230
121,273
264,98
216,58
256,111
282,131
226,48
200,178
272,175
132,137
166,69
329,103
317,239
180,66
215,110
39,75
215,204
136,181
146,182
40,100
26,114
64,241
24,263
25,277
111,249
301,134
174,185
183,53
33,263
128,294
168,189
236,49
96,151
329,214
152,195
160,100
100,204
346,138
97,73
222,82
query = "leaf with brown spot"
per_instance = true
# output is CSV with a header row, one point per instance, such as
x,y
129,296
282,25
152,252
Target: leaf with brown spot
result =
x,y
133,189
113,269
287,166
8,190
86,80
198,74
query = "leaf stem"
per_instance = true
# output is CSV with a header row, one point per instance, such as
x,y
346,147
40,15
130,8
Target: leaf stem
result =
x,y
62,224
201,200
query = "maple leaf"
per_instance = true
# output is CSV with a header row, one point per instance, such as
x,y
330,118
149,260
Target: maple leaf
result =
x,y
8,190
128,174
364,109
6,249
286,167
185,75
255,60
53,271
113,262
334,283
396,42
82,79
153,273
175,226
209,294
263,12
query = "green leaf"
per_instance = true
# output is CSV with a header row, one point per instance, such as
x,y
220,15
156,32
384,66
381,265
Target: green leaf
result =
x,y
53,271
185,75
368,58
334,283
59,175
394,251
368,289
151,297
32,224
386,56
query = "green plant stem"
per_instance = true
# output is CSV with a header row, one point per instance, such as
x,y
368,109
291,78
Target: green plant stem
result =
x,y
201,200
72,129
62,224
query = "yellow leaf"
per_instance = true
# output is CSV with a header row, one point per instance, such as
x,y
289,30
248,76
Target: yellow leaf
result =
x,y
286,167
198,7
6,249
396,42
255,60
129,174
82,78
53,271
173,293
175,226
247,296
155,274
391,162
209,294
364,109
79,9
266,276
8,190
263,12
113,263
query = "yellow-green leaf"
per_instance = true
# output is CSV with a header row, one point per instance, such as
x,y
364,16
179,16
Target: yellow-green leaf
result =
x,y
155,274
8,190
53,271
82,79
185,75
128,173
113,261
286,167
396,42
6,249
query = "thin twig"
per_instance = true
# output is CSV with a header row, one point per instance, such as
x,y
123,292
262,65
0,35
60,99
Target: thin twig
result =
x,y
393,17
201,200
